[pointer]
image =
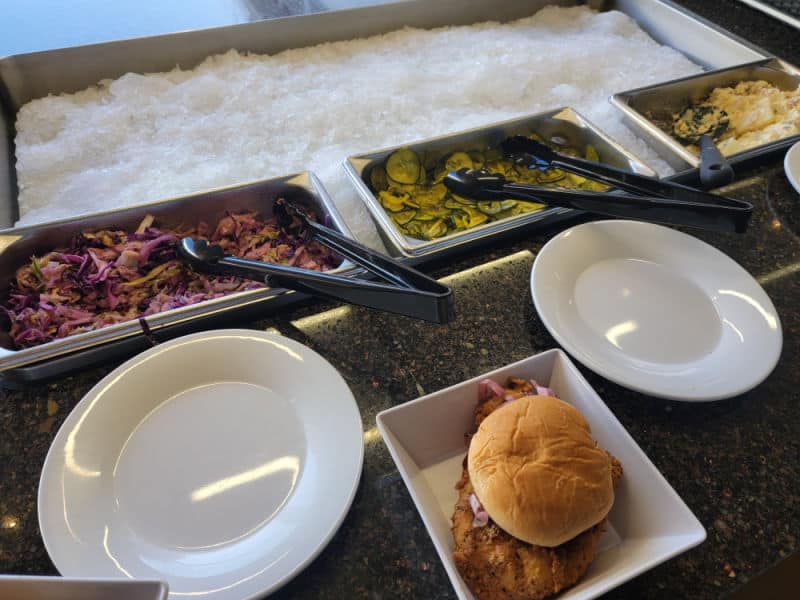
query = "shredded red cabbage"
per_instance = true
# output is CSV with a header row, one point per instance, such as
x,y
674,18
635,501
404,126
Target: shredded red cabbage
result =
x,y
111,276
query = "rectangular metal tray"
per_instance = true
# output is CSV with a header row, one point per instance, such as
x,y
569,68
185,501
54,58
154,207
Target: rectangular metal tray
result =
x,y
18,245
564,123
25,77
642,107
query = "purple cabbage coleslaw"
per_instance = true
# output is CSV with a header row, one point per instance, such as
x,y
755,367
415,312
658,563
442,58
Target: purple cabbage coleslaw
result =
x,y
110,276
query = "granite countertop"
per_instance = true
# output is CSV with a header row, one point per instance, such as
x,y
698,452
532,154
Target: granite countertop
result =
x,y
735,463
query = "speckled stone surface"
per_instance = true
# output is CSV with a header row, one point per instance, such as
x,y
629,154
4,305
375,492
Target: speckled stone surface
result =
x,y
736,463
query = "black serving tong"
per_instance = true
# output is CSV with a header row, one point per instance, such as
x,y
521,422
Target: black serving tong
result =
x,y
648,198
408,292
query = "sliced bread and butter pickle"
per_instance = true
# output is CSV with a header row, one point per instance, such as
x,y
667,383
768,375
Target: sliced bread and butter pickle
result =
x,y
409,185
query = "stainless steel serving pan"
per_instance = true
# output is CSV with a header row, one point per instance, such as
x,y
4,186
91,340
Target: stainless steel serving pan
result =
x,y
29,587
564,123
18,245
645,107
26,77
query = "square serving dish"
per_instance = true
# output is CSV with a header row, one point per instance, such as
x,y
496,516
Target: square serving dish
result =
x,y
25,587
648,524
563,123
121,339
644,107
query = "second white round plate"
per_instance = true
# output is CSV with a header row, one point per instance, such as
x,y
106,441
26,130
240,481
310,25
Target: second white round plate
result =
x,y
656,310
791,164
220,462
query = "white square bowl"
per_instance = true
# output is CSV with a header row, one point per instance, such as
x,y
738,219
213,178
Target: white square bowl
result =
x,y
648,524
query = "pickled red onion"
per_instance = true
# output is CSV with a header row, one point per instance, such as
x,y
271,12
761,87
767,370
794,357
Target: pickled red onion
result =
x,y
481,516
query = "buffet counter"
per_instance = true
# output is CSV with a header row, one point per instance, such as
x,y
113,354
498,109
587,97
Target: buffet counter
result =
x,y
735,462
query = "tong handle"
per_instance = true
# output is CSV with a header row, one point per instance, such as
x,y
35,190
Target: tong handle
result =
x,y
630,182
612,176
659,210
715,170
433,304
378,264
691,206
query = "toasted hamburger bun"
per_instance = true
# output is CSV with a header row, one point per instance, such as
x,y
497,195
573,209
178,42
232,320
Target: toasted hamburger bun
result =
x,y
538,472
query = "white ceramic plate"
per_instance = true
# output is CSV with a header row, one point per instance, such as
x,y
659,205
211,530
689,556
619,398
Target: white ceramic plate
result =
x,y
791,164
220,462
656,310
648,523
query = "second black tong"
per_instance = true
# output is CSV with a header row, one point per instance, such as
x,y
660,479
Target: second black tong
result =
x,y
648,198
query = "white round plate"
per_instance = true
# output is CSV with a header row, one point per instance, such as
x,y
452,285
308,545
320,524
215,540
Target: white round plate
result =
x,y
656,310
791,164
221,462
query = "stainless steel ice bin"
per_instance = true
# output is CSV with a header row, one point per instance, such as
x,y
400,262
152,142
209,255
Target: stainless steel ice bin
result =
x,y
25,77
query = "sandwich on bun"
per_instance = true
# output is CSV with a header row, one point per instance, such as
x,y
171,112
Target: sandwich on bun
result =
x,y
533,497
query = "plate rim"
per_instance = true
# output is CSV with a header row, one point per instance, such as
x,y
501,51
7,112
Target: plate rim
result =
x,y
79,409
793,175
590,361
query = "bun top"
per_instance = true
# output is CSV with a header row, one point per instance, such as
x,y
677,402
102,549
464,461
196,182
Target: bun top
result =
x,y
538,472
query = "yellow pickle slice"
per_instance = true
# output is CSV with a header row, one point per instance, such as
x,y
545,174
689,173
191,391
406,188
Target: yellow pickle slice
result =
x,y
403,166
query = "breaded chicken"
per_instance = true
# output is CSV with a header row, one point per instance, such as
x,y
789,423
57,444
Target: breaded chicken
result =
x,y
498,566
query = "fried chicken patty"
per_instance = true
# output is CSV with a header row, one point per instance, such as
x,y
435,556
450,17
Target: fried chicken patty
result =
x,y
498,566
